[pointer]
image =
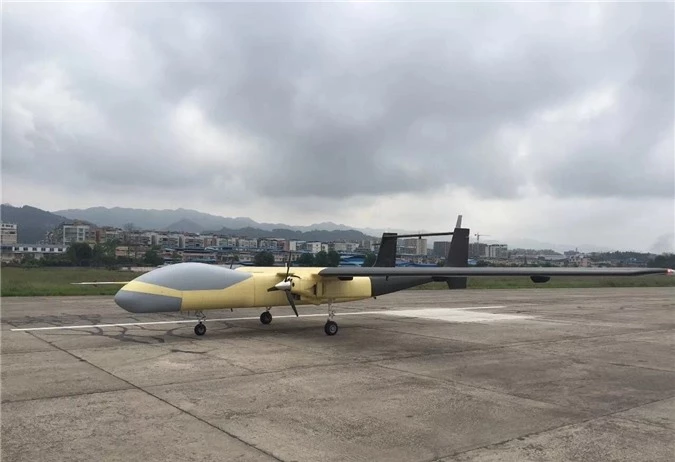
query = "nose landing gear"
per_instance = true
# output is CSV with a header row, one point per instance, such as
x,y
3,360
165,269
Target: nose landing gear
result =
x,y
200,328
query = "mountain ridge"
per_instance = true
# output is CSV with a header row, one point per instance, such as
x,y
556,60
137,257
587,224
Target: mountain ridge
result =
x,y
35,223
32,223
162,219
190,220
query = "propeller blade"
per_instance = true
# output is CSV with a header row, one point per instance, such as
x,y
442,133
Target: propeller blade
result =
x,y
290,300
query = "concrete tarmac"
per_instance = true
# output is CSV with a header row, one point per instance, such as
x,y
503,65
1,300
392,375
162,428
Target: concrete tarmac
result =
x,y
474,375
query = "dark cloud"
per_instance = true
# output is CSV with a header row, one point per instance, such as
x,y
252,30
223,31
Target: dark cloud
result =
x,y
333,101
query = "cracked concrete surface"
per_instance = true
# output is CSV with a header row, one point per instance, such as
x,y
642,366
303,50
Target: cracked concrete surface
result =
x,y
557,374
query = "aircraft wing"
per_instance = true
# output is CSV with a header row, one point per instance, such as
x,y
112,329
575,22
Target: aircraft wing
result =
x,y
445,272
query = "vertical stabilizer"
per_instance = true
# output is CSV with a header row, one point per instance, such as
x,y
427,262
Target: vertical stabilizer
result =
x,y
458,254
386,256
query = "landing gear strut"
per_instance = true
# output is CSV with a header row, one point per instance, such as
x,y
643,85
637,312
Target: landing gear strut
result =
x,y
331,326
200,328
266,317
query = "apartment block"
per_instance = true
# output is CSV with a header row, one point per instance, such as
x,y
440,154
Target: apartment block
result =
x,y
412,246
441,249
9,233
313,247
499,251
70,233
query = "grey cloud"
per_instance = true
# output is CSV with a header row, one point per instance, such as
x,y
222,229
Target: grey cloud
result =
x,y
349,100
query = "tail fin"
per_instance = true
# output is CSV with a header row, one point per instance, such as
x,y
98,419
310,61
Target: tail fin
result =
x,y
458,254
386,256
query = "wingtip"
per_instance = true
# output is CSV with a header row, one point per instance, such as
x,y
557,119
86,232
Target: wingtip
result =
x,y
670,272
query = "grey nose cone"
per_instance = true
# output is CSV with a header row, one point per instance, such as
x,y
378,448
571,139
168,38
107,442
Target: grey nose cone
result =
x,y
137,302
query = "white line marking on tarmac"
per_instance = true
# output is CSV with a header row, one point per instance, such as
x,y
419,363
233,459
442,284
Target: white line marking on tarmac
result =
x,y
443,314
457,315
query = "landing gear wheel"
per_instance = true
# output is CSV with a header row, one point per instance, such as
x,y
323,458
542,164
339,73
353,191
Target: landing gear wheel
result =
x,y
330,328
266,317
200,329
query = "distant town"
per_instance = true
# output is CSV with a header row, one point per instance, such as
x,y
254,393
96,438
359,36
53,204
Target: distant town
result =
x,y
83,244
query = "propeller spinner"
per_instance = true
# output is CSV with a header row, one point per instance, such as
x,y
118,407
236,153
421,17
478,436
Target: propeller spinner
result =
x,y
287,285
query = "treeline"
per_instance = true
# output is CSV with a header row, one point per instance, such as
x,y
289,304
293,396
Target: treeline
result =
x,y
98,256
665,260
637,257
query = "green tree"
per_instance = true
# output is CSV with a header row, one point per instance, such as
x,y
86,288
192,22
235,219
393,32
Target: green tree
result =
x,y
306,259
665,260
152,258
29,260
103,255
263,259
321,258
80,253
109,256
333,258
369,259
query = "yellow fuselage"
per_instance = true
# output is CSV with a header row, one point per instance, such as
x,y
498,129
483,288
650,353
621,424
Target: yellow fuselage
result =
x,y
249,292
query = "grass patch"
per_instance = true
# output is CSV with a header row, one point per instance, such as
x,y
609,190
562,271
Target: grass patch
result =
x,y
29,282
559,282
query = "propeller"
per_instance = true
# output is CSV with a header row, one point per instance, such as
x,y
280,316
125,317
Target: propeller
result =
x,y
287,285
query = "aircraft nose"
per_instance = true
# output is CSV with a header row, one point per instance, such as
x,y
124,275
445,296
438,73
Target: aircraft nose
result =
x,y
139,302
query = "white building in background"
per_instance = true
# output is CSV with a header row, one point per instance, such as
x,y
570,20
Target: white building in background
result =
x,y
412,246
17,252
70,233
9,233
346,247
313,247
497,251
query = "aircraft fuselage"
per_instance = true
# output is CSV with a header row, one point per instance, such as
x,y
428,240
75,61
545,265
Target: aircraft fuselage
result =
x,y
200,287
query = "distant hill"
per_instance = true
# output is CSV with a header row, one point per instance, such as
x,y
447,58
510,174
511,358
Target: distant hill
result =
x,y
184,226
32,223
323,236
179,218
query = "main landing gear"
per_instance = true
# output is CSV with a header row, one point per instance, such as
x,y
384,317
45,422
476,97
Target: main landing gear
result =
x,y
200,328
331,326
266,316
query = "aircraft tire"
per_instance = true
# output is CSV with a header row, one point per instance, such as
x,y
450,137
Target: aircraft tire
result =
x,y
266,317
200,329
330,328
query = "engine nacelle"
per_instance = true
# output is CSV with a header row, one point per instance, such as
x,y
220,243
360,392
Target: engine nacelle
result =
x,y
539,279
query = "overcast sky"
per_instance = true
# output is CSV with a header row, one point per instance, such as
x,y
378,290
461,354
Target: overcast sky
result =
x,y
548,121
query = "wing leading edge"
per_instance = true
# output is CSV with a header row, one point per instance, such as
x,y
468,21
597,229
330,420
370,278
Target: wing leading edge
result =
x,y
444,272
